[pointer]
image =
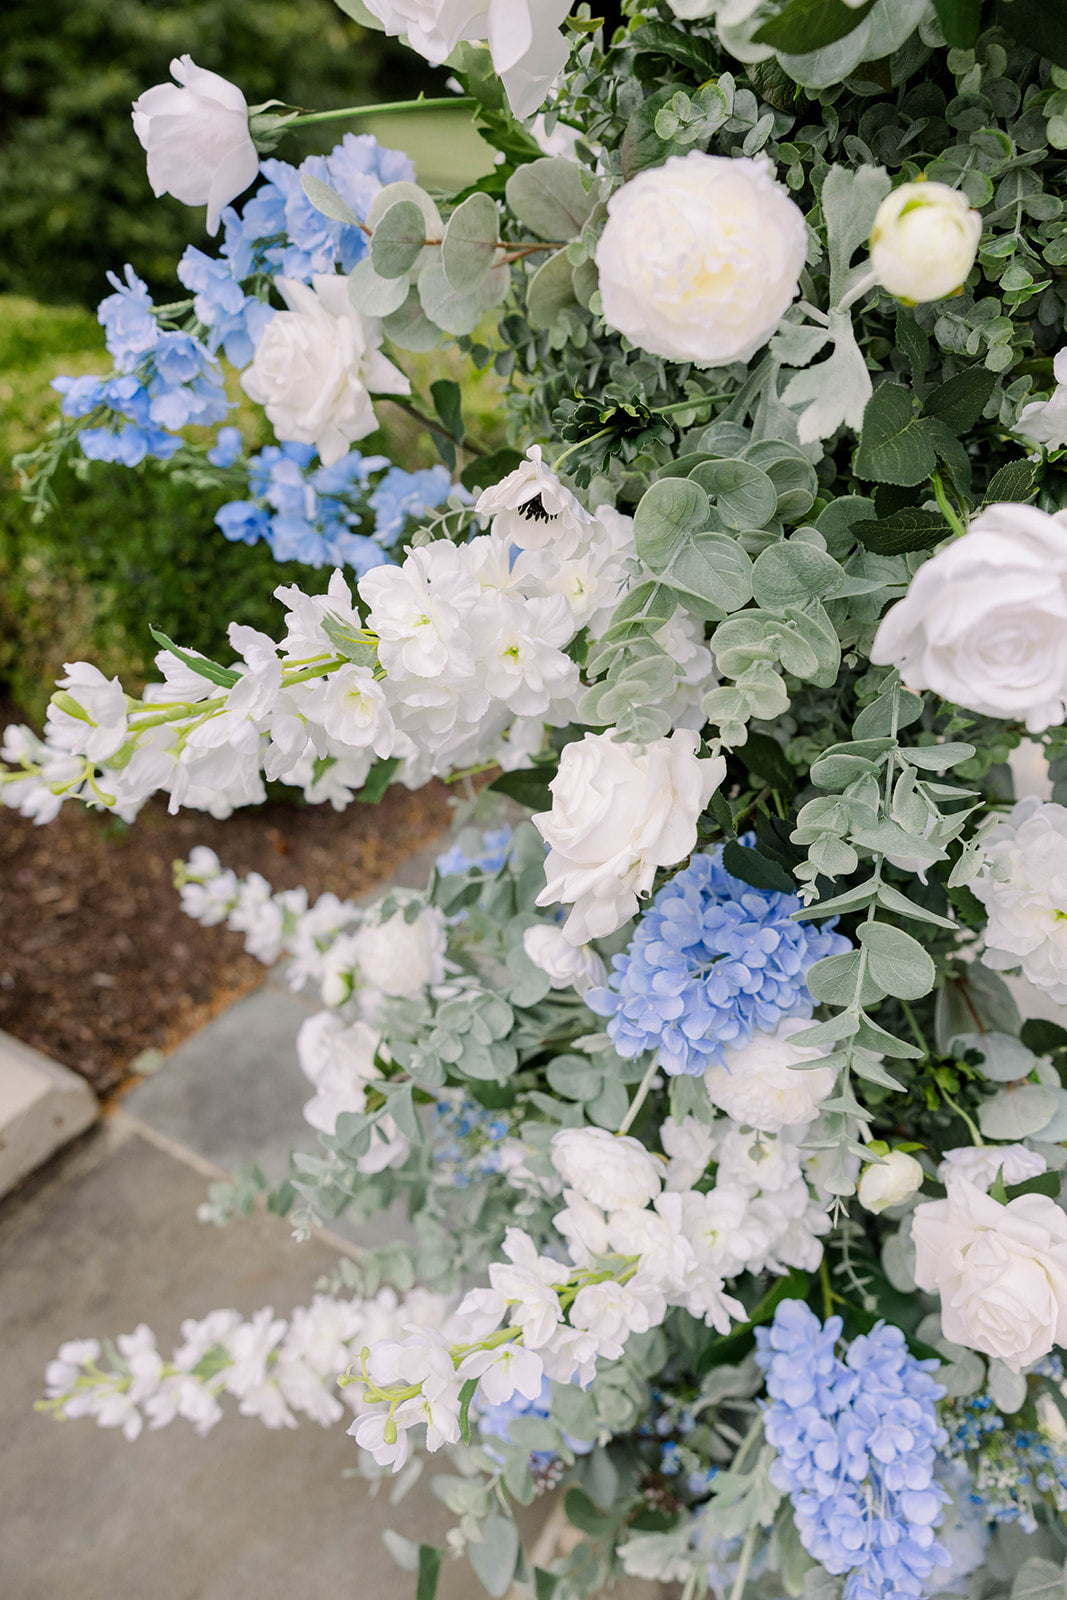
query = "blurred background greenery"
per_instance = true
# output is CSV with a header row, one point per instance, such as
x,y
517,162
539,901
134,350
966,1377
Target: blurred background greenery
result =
x,y
127,547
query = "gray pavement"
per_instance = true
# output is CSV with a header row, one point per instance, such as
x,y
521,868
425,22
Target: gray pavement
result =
x,y
106,1237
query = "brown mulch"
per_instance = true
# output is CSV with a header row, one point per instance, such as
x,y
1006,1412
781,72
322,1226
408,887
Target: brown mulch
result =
x,y
97,960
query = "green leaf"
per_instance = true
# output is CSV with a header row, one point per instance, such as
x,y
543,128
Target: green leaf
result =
x,y
751,867
734,1346
790,574
1017,1113
585,1515
938,757
328,201
1040,25
528,785
671,510
379,778
469,245
545,1583
485,471
398,240
374,296
807,25
832,981
689,49
712,568
892,900
1046,1183
364,652
911,528
897,962
448,403
896,446
960,401
766,760
960,21
455,313
1043,1037
850,199
225,677
550,289
744,495
1016,481
549,198
430,1559
1039,1580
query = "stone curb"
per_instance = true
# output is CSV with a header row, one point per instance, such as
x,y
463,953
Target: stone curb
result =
x,y
42,1107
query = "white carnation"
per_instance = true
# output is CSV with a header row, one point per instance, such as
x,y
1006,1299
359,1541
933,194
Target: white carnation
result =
x,y
1023,886
608,1170
701,258
766,1083
984,623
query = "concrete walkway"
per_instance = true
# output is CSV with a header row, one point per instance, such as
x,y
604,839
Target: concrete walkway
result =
x,y
106,1237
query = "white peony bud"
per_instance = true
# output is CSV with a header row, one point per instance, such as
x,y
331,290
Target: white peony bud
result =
x,y
701,258
889,1182
924,241
197,139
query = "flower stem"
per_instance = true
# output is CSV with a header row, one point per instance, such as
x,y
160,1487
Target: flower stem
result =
x,y
639,1098
959,528
913,1024
449,102
434,427
743,1564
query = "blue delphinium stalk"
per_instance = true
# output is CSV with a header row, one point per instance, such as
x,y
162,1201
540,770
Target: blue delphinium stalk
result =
x,y
402,494
712,960
489,857
857,1440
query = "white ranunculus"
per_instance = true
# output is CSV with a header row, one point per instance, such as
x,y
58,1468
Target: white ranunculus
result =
x,y
701,258
889,1182
618,813
196,134
608,1170
984,623
924,241
1045,421
1023,885
761,1086
524,39
315,366
568,966
1001,1271
979,1164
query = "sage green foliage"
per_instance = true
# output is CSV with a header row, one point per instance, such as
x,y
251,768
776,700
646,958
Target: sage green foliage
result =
x,y
74,199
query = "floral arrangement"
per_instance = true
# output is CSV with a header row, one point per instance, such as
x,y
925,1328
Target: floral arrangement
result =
x,y
735,1165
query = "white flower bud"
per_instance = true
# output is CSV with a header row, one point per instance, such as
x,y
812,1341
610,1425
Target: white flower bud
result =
x,y
890,1181
924,241
197,139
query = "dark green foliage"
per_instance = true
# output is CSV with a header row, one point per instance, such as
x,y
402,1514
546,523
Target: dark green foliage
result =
x,y
74,198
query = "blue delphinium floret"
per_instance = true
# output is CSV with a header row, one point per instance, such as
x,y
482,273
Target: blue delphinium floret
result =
x,y
488,858
402,494
494,1422
712,960
235,321
857,1440
303,510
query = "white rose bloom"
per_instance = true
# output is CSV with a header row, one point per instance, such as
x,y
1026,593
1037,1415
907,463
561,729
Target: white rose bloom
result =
x,y
316,364
701,258
608,1170
979,1164
924,241
568,966
618,813
1023,886
1001,1271
761,1086
889,1182
1045,421
197,139
984,623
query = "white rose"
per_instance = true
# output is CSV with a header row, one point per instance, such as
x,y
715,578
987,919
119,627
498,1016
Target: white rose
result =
x,y
760,1085
924,241
701,258
568,966
889,1182
618,813
432,27
979,1164
197,139
315,365
984,623
1001,1271
608,1170
1023,886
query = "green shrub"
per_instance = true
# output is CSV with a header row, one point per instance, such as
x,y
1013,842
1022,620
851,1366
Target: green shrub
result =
x,y
74,198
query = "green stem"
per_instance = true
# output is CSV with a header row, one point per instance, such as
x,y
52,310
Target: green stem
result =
x,y
827,1288
434,427
958,1109
743,1564
601,433
639,1098
452,102
947,511
913,1024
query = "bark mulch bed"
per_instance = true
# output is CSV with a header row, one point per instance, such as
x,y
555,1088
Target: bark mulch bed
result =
x,y
98,962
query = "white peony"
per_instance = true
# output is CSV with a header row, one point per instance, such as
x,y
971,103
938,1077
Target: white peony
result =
x,y
618,813
401,958
889,1182
527,48
1023,886
315,366
979,1164
568,966
924,241
766,1084
1045,421
1001,1271
984,623
605,1168
701,258
197,139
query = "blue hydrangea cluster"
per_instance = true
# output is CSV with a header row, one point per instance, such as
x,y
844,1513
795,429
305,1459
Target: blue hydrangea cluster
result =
x,y
163,381
465,1140
488,856
310,513
1013,1468
857,1441
712,960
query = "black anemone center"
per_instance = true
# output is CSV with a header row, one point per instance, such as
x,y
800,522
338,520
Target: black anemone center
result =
x,y
534,510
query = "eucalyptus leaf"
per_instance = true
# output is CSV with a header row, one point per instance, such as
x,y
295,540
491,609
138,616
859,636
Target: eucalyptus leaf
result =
x,y
495,1554
1017,1113
470,243
549,198
897,962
